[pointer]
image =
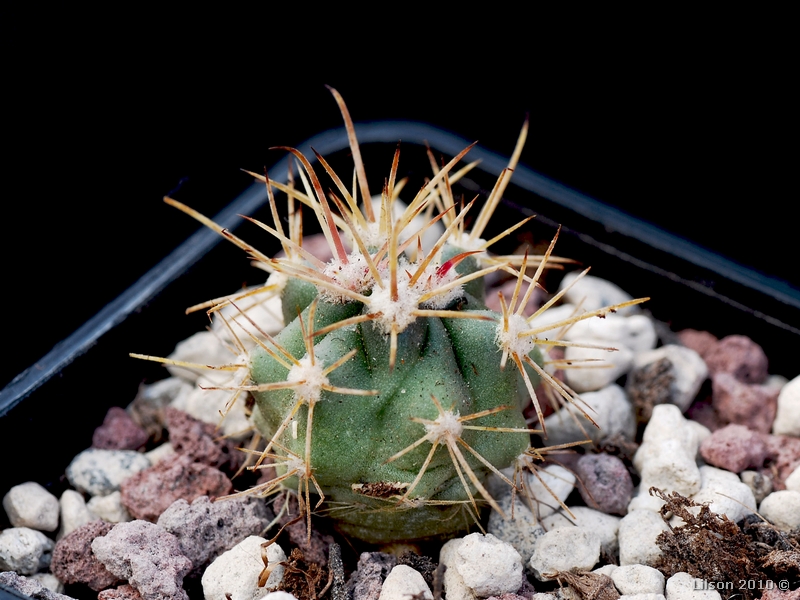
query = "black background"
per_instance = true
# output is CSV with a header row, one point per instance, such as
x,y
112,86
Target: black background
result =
x,y
693,134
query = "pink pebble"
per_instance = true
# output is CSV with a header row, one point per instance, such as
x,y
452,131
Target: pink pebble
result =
x,y
784,457
701,342
149,493
606,483
753,406
73,561
734,448
119,432
201,441
740,356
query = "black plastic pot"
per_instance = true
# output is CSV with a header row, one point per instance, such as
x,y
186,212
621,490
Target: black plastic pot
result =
x,y
48,412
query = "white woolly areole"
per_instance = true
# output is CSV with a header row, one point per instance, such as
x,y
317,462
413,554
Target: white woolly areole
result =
x,y
446,424
401,311
371,235
353,275
296,465
510,340
312,377
430,280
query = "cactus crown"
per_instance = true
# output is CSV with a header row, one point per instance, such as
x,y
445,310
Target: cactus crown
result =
x,y
388,394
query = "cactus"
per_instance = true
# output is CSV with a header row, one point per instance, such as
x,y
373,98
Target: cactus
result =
x,y
389,395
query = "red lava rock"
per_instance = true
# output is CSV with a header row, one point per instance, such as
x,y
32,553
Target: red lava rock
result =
x,y
147,556
201,441
606,483
701,342
119,432
149,493
73,561
367,580
784,457
741,357
314,550
734,448
206,529
123,592
744,404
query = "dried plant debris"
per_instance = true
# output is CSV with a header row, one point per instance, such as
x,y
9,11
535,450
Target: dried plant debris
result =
x,y
779,550
590,586
711,547
304,580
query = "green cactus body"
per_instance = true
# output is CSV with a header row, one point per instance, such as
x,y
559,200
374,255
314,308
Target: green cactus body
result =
x,y
454,360
393,392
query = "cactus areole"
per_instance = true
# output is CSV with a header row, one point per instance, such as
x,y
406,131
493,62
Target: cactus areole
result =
x,y
393,392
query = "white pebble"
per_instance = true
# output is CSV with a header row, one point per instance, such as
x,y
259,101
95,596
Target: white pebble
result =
x,y
688,370
553,316
638,531
99,472
668,423
109,508
161,393
610,409
642,597
24,550
454,586
565,549
280,596
234,574
546,501
638,579
636,332
488,565
207,404
264,309
30,505
725,493
403,583
667,456
592,369
683,586
49,581
593,293
203,348
782,509
668,467
605,526
74,512
787,417
642,500
792,482
605,570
